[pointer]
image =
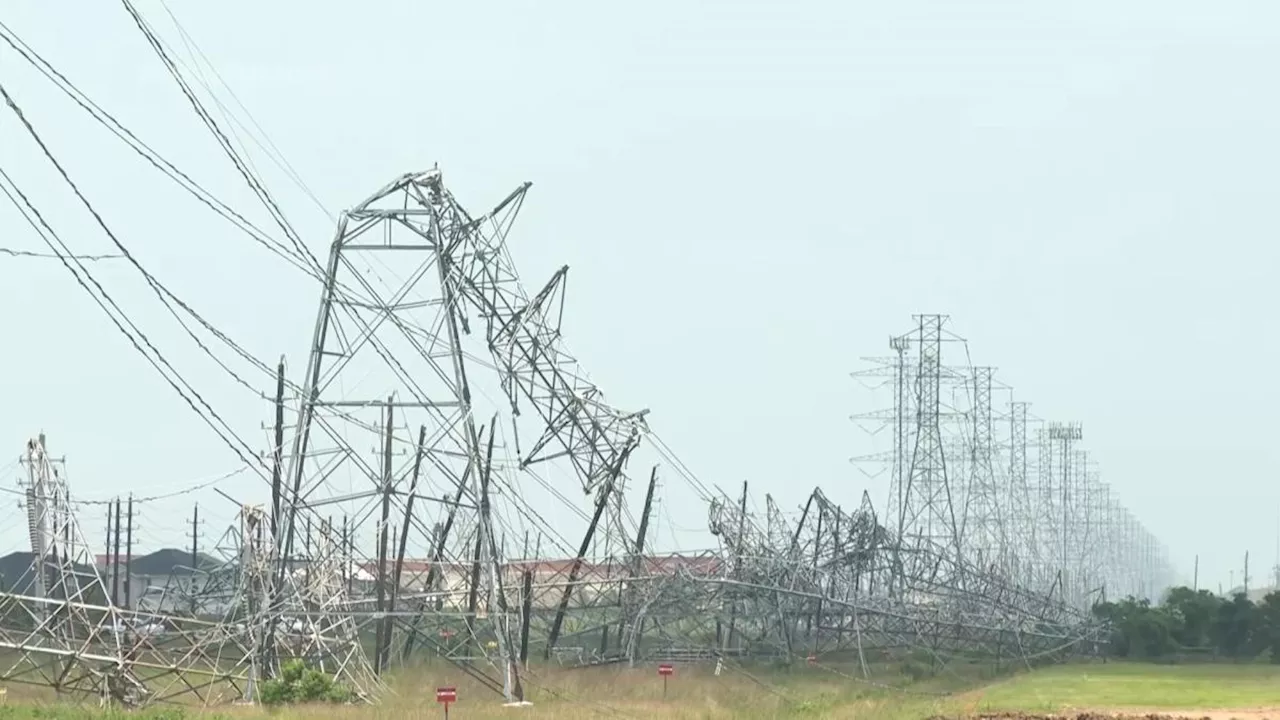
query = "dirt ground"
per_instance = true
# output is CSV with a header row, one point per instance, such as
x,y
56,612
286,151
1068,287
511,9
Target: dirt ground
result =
x,y
1269,713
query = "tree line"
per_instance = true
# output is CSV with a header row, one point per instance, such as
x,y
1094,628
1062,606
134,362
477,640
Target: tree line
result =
x,y
1193,624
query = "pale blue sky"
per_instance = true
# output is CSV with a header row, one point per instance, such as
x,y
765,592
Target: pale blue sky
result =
x,y
751,196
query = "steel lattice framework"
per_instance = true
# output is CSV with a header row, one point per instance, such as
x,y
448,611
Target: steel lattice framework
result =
x,y
1057,531
973,558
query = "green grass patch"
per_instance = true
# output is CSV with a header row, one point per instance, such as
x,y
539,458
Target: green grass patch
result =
x,y
1134,685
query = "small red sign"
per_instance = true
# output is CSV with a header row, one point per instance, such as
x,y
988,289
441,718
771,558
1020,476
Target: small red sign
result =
x,y
446,695
446,634
666,669
813,659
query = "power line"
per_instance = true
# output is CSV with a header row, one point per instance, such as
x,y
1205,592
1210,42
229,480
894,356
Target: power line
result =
x,y
292,256
270,148
254,183
198,486
103,299
54,256
182,179
166,296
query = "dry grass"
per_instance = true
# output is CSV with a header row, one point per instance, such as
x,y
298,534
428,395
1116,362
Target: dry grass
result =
x,y
805,692
620,692
615,691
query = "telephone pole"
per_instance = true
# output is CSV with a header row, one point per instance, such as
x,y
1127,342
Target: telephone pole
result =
x,y
115,562
192,590
195,536
1246,574
348,572
109,527
128,557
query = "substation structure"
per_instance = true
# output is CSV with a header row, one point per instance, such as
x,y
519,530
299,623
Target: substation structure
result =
x,y
407,519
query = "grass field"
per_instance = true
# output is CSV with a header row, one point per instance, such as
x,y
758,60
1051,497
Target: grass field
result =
x,y
1135,686
806,693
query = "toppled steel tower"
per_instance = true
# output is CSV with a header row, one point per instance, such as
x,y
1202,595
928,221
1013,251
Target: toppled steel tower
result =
x,y
403,488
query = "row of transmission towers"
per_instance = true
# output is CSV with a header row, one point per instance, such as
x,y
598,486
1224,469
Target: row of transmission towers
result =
x,y
994,485
441,423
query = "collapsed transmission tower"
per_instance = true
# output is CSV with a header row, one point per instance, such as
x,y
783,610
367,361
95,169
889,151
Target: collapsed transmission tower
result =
x,y
399,329
404,481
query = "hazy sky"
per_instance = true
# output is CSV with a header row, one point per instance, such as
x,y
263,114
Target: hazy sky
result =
x,y
751,196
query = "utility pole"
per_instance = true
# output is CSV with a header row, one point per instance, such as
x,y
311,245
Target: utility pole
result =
x,y
348,572
195,536
632,601
115,562
277,453
1246,574
108,567
402,546
526,613
384,626
737,566
1195,578
195,555
307,553
128,558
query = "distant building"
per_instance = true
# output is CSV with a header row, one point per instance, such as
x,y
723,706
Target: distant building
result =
x,y
162,581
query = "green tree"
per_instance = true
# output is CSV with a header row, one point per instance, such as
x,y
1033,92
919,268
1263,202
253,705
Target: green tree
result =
x,y
1269,624
1194,613
1192,620
1139,630
1237,630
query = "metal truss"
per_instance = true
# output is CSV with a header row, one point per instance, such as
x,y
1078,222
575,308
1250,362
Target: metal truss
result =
x,y
1042,518
401,486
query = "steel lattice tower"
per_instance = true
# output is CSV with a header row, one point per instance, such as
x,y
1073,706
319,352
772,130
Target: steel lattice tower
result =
x,y
1065,435
1023,530
387,368
983,529
901,462
928,512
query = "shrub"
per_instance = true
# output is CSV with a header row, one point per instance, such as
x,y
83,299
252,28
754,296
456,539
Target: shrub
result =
x,y
299,683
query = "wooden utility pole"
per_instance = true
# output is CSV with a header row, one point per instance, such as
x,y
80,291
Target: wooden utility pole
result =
x,y
108,567
195,554
348,572
306,551
383,629
1195,577
128,558
277,453
637,567
195,537
1246,574
402,546
737,567
115,562
526,614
